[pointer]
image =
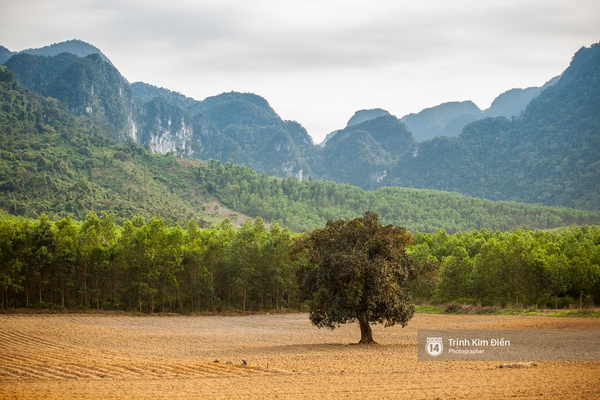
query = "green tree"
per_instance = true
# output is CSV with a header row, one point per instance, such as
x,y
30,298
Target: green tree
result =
x,y
488,286
278,270
356,270
12,238
583,272
41,249
245,257
455,276
558,275
195,276
65,256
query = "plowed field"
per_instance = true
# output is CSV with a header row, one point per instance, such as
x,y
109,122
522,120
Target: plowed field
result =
x,y
106,356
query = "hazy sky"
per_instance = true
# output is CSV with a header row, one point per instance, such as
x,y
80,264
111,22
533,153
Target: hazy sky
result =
x,y
317,62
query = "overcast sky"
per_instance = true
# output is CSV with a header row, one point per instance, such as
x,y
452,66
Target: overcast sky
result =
x,y
319,61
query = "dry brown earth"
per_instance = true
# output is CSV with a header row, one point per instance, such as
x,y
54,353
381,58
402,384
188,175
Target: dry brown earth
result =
x,y
108,356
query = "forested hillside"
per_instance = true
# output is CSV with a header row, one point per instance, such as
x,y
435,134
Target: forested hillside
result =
x,y
89,221
51,163
363,153
89,86
548,154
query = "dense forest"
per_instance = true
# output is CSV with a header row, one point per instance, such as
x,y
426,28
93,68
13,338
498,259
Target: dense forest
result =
x,y
146,266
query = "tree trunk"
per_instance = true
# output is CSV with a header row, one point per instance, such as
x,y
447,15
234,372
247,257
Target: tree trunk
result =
x,y
85,294
366,334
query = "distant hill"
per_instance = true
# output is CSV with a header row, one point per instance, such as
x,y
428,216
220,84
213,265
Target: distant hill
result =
x,y
549,154
229,127
144,93
362,154
449,119
88,85
5,54
364,115
238,127
77,47
36,72
513,102
358,118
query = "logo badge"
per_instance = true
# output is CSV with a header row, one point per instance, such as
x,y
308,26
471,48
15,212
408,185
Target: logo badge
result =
x,y
434,346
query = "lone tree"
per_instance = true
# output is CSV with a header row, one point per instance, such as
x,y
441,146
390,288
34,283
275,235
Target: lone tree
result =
x,y
356,270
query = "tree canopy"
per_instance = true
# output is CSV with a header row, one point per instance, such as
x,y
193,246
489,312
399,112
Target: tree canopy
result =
x,y
356,270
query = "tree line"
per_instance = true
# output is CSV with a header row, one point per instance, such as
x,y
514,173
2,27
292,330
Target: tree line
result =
x,y
144,266
542,268
147,265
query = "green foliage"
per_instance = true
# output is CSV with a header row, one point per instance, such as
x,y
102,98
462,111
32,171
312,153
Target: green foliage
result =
x,y
308,204
356,271
144,265
429,309
523,267
89,86
93,87
36,72
362,154
49,163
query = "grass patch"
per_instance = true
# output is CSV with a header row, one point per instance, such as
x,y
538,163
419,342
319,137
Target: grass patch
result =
x,y
456,308
429,309
575,313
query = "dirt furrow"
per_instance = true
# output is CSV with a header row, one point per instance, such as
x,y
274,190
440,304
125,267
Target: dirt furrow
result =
x,y
11,339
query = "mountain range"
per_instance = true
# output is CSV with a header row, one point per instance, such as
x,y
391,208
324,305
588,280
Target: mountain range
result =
x,y
535,145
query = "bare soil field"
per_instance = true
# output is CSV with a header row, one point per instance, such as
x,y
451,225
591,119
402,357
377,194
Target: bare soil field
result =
x,y
88,356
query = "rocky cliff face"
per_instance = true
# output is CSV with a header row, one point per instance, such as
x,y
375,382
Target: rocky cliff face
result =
x,y
165,128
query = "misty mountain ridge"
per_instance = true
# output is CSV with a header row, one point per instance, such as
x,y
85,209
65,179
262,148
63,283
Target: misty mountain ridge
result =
x,y
449,118
375,148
